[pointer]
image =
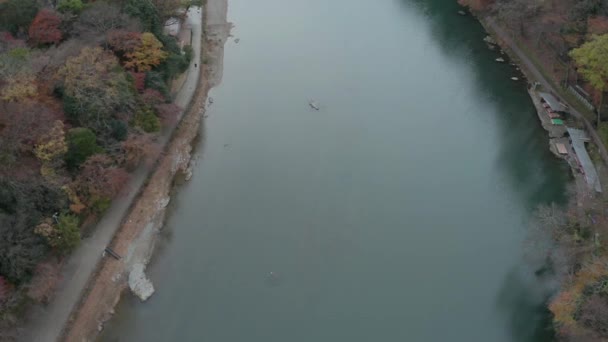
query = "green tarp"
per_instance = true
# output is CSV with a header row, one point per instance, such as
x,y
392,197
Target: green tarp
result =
x,y
558,122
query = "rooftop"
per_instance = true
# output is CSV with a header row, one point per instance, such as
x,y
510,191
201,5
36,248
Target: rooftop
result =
x,y
578,138
553,102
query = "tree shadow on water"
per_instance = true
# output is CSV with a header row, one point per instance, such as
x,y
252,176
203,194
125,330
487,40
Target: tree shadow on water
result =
x,y
523,300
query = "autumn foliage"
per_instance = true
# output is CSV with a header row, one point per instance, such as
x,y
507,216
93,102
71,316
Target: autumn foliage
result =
x,y
146,56
80,107
45,28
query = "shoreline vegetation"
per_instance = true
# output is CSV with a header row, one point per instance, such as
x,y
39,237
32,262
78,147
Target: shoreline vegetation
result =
x,y
570,237
136,238
42,54
107,167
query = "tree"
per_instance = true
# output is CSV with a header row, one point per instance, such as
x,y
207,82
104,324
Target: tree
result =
x,y
52,145
154,80
119,130
594,315
101,17
19,86
591,60
51,148
9,42
23,205
166,8
21,125
176,62
140,148
516,13
46,278
64,236
95,89
139,80
45,28
100,177
123,42
148,55
146,119
168,113
73,6
147,14
82,143
17,77
16,15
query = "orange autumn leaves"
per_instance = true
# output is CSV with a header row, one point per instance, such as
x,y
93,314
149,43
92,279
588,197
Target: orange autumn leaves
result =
x,y
137,51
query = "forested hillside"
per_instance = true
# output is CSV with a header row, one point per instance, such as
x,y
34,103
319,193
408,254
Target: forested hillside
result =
x,y
568,42
84,92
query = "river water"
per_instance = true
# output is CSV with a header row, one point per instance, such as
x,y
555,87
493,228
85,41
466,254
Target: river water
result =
x,y
398,212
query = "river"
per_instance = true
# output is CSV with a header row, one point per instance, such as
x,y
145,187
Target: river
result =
x,y
397,212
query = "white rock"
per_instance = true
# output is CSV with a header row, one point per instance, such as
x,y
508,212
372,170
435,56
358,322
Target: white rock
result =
x,y
163,203
139,284
188,173
489,40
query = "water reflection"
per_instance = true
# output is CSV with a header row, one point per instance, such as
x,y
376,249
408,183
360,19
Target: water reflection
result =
x,y
530,168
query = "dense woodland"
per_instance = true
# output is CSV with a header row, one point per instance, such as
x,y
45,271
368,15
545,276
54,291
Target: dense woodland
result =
x,y
569,40
84,92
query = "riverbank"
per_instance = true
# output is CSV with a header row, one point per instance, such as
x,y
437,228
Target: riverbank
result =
x,y
576,254
136,237
536,83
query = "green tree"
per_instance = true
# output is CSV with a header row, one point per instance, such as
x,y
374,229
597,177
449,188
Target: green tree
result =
x,y
16,15
591,60
67,233
74,6
146,12
82,143
146,119
154,80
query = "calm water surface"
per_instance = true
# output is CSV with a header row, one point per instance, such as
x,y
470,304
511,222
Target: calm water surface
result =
x,y
397,212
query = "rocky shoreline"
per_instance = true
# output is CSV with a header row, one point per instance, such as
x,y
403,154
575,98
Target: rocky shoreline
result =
x,y
136,239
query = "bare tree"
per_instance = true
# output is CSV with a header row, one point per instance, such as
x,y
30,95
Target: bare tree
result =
x,y
514,13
